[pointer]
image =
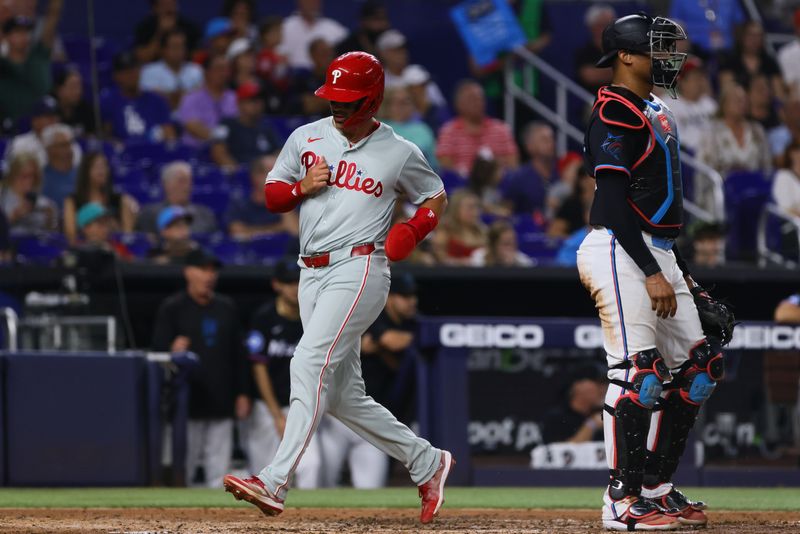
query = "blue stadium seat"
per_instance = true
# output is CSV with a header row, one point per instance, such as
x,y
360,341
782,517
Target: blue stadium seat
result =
x,y
229,251
539,245
525,224
215,196
39,249
266,249
746,193
452,180
284,126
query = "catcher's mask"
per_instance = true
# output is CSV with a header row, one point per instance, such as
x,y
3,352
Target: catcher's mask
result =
x,y
656,37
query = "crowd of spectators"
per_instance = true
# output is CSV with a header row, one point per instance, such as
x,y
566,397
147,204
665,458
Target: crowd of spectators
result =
x,y
215,100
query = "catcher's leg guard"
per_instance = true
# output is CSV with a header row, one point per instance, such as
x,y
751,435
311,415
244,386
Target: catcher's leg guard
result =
x,y
629,406
692,384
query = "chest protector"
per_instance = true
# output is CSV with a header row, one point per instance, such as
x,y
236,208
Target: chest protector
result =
x,y
656,190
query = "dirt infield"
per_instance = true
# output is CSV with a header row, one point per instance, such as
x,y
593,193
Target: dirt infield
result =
x,y
328,520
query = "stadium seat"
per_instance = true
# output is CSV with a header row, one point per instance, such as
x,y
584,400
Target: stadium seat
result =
x,y
452,180
266,249
283,126
539,245
214,196
746,193
39,249
229,251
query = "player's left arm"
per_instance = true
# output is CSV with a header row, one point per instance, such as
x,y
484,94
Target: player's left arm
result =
x,y
424,188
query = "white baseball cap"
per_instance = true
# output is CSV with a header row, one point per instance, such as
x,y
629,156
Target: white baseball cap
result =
x,y
415,75
390,39
237,47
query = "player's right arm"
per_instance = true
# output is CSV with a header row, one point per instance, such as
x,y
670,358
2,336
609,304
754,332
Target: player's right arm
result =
x,y
267,392
284,189
613,152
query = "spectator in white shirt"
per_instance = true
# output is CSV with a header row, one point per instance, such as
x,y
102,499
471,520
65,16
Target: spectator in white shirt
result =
x,y
786,185
696,107
173,75
303,27
789,57
45,114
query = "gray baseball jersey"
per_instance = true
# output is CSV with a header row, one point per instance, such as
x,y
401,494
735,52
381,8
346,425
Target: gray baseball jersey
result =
x,y
340,301
366,177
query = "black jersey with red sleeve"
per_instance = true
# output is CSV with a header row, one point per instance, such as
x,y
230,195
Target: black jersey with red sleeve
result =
x,y
637,138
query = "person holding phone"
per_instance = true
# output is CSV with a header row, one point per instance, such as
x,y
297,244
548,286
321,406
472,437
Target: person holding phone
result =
x,y
27,210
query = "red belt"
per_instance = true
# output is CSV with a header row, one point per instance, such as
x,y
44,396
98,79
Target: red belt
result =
x,y
324,259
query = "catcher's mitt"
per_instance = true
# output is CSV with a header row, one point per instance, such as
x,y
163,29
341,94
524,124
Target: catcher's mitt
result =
x,y
717,318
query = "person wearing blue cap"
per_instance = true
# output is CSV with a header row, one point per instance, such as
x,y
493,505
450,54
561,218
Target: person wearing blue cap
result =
x,y
175,232
275,330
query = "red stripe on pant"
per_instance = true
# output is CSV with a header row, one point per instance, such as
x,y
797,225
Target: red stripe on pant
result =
x,y
322,373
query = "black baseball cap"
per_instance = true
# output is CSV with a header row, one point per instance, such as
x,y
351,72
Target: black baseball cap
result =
x,y
19,21
124,61
200,257
403,284
287,271
45,106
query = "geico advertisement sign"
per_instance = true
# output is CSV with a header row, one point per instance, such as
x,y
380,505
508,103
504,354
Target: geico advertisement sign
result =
x,y
501,336
775,337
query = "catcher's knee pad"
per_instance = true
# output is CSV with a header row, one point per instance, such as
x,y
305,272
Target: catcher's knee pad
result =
x,y
649,373
698,376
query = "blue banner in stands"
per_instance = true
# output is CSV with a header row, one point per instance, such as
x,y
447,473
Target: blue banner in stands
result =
x,y
487,27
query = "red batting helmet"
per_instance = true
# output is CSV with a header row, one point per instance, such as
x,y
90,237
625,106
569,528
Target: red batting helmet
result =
x,y
353,76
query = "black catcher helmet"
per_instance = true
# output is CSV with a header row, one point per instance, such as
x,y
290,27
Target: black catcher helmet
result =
x,y
656,37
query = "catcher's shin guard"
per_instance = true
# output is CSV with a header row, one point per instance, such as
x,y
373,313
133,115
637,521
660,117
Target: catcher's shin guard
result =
x,y
692,384
629,406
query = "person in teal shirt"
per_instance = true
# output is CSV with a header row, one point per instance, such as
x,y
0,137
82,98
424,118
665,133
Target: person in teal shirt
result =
x,y
399,112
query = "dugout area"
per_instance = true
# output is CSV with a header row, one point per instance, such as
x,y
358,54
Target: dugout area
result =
x,y
497,510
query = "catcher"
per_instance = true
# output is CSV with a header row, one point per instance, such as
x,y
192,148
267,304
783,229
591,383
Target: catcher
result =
x,y
663,332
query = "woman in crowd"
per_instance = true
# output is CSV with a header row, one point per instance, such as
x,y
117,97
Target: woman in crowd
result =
x,y
501,250
737,143
73,110
27,210
462,232
94,184
748,58
399,112
483,180
786,186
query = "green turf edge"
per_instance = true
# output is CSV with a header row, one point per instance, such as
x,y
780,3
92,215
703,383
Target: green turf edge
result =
x,y
717,498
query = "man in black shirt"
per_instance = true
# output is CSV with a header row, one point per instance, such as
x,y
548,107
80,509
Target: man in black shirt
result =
x,y
579,419
383,349
205,323
642,287
275,330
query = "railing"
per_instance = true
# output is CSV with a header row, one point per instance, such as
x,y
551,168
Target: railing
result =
x,y
564,129
12,320
766,255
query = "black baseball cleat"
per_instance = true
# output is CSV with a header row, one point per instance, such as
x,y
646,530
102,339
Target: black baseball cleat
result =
x,y
667,496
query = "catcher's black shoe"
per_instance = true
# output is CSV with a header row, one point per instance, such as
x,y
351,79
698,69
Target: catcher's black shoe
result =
x,y
669,497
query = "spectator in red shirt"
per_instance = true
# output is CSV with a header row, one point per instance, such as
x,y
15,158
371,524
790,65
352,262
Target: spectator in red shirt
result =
x,y
462,232
461,138
272,66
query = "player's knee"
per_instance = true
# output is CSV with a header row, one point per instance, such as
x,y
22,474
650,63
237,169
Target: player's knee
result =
x,y
698,376
649,374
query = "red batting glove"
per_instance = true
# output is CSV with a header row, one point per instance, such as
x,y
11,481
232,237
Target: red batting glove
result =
x,y
403,237
401,241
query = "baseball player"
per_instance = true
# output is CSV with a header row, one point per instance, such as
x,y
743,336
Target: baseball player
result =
x,y
345,172
663,346
275,332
